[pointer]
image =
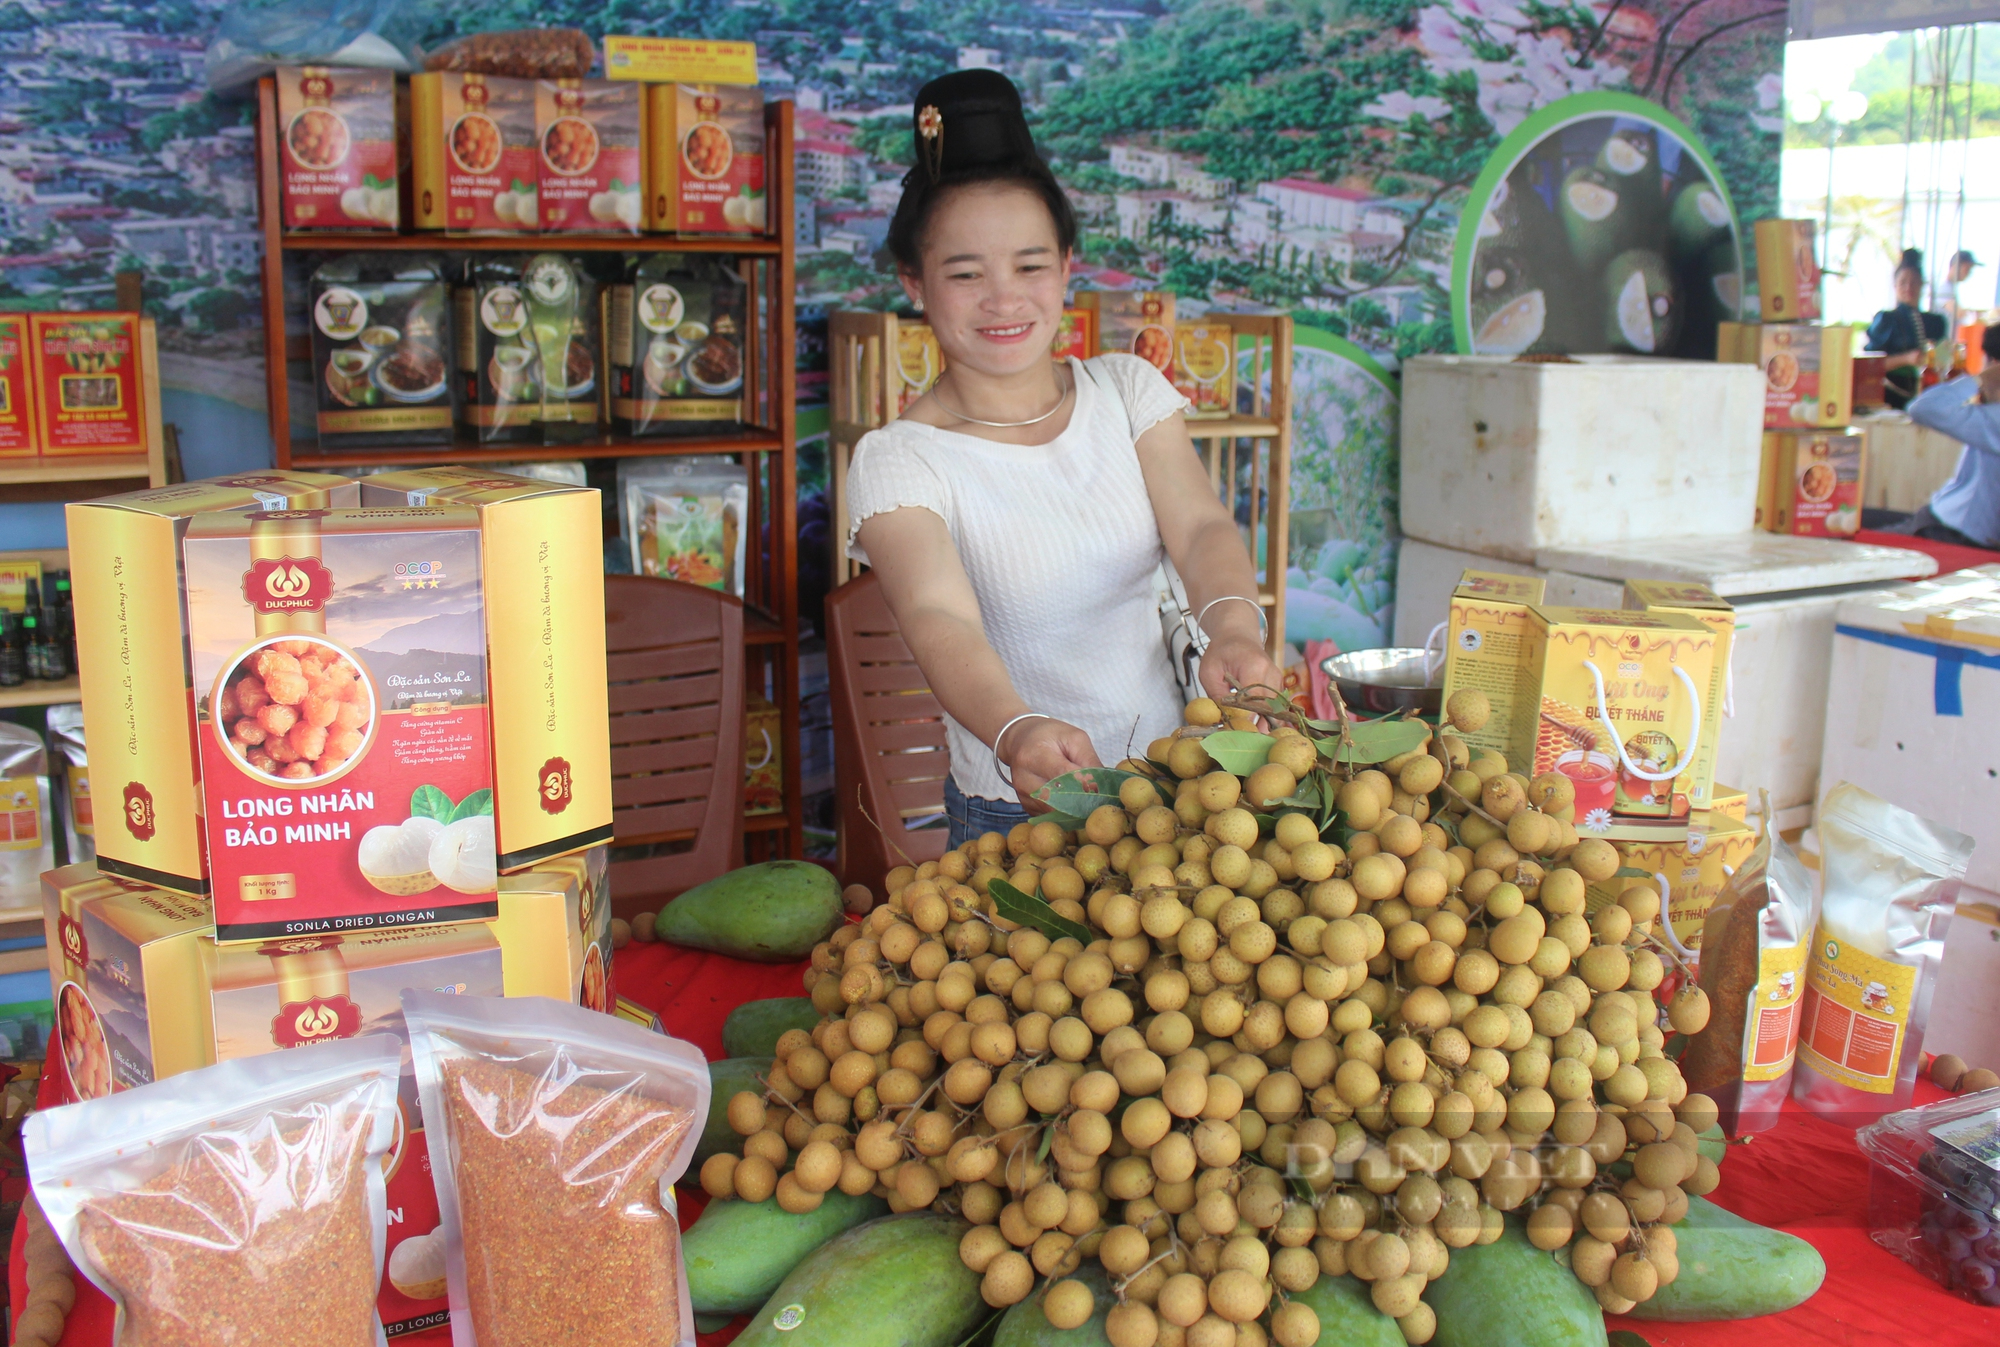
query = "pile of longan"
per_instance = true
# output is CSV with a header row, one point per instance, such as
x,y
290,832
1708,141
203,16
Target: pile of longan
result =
x,y
1281,1057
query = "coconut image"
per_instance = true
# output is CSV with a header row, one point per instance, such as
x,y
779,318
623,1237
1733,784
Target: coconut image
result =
x,y
1630,159
1509,311
1589,205
1643,306
1697,219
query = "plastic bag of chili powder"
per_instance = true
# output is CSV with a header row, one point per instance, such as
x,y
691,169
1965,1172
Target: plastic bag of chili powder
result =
x,y
555,1135
241,1205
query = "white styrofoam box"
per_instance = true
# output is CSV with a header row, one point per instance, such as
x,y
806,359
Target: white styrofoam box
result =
x,y
1505,458
1897,701
1567,590
1778,665
1751,562
1965,1009
1426,574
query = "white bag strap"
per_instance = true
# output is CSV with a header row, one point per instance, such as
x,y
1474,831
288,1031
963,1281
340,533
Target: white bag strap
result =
x,y
1694,731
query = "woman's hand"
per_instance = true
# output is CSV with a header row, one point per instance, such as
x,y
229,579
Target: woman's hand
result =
x,y
1233,663
1037,751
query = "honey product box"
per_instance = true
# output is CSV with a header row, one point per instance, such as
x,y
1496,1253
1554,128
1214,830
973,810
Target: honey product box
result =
x,y
763,758
1730,801
1787,271
474,162
1205,368
1139,322
1076,335
343,719
526,334
1619,706
1693,870
1691,598
381,343
591,135
677,335
133,661
125,961
705,152
540,552
1486,648
919,361
1816,483
1767,480
337,147
17,419
1808,375
88,379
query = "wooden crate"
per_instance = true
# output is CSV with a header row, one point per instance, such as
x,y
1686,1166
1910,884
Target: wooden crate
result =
x,y
1249,455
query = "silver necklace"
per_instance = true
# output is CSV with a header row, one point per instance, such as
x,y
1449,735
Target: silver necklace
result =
x,y
937,391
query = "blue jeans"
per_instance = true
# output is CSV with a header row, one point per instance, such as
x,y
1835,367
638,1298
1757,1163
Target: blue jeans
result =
x,y
972,815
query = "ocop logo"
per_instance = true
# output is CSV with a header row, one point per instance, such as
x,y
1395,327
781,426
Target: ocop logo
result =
x,y
287,585
316,1021
555,790
139,819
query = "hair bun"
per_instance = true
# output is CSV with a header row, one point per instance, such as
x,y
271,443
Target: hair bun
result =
x,y
1913,258
970,119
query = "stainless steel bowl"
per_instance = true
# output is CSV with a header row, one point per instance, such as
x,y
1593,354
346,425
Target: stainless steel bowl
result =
x,y
1382,682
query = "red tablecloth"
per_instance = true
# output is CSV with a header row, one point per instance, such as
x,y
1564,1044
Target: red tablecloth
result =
x,y
1806,1176
1949,557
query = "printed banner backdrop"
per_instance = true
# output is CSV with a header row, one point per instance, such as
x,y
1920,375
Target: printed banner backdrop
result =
x,y
1315,156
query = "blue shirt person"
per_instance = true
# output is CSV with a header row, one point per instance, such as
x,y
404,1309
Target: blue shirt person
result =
x,y
1965,510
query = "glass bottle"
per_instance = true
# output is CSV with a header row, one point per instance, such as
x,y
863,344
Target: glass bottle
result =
x,y
13,654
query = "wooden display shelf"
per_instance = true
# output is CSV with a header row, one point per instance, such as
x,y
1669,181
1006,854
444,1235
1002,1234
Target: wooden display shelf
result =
x,y
77,468
867,386
767,441
62,477
36,693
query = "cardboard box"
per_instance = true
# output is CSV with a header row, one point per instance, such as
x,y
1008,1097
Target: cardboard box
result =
x,y
1817,482
542,559
1736,343
89,383
1729,801
1808,375
1692,599
555,931
1871,381
1486,647
919,361
1649,673
1138,322
593,148
1076,336
337,147
705,153
473,159
132,652
1787,271
15,573
1693,870
343,718
763,758
1204,368
17,389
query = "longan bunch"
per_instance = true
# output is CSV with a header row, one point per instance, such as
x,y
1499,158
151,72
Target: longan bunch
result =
x,y
1279,1056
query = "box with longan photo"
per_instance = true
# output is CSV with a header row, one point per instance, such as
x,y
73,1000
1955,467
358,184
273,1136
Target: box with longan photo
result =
x,y
591,135
705,153
342,718
540,550
474,165
1485,658
1204,370
337,147
132,658
1137,322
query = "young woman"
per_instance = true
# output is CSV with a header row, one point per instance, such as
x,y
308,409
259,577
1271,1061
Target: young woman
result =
x,y
1018,512
1901,332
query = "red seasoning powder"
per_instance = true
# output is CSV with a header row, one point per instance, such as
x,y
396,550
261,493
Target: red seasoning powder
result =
x,y
565,1239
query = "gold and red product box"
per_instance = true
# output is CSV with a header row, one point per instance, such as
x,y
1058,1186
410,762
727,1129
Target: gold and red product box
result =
x,y
1486,650
132,657
1808,375
88,379
540,550
17,417
1076,335
337,147
555,931
1139,322
1816,482
1694,869
1692,599
342,718
919,360
592,139
1204,370
1787,271
1871,380
474,166
763,758
705,153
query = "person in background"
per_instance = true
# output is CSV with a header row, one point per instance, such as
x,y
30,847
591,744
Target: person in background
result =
x,y
1902,332
1966,510
1963,264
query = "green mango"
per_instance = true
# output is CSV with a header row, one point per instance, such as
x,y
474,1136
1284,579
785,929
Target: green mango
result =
x,y
1347,1316
894,1282
1026,1326
1511,1292
727,1078
1733,1269
738,1252
753,1028
774,912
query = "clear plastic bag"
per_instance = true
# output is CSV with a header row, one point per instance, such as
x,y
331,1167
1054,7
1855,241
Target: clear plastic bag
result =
x,y
1934,1196
66,744
1889,882
257,36
686,523
27,845
235,1204
555,1133
518,53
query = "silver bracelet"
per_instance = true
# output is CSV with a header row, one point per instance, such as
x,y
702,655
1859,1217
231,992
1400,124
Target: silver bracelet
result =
x,y
1000,768
1263,623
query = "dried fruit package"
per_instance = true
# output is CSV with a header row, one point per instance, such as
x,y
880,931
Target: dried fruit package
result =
x,y
687,524
26,847
555,1134
1889,883
1754,942
241,1205
337,147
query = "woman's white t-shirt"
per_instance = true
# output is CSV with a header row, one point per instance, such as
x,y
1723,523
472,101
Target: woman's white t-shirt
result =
x,y
1063,550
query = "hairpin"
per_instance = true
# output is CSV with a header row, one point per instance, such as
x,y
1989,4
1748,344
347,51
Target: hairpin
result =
x,y
930,140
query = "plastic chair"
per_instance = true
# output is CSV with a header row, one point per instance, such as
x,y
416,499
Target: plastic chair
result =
x,y
889,752
675,664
